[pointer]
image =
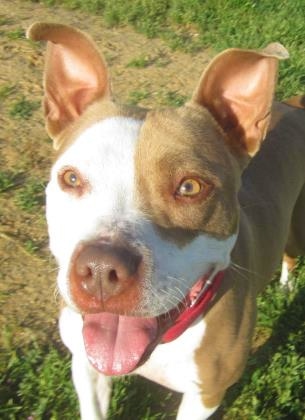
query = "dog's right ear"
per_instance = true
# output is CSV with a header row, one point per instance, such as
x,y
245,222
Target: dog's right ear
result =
x,y
237,88
75,74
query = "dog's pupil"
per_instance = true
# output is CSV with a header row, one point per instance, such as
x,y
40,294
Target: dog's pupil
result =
x,y
188,187
73,178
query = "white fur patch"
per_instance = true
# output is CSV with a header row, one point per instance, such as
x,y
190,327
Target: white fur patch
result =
x,y
93,389
104,156
172,364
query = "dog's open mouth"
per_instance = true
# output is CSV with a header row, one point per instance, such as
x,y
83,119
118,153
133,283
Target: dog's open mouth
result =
x,y
117,345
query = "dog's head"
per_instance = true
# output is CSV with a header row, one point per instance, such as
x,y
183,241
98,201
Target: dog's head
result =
x,y
142,205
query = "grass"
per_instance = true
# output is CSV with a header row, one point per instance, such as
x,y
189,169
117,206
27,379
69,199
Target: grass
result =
x,y
140,62
7,180
31,196
23,108
136,96
31,246
143,61
6,90
35,382
173,98
16,34
217,24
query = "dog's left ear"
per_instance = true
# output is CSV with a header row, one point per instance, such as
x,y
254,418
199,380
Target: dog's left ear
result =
x,y
237,88
75,74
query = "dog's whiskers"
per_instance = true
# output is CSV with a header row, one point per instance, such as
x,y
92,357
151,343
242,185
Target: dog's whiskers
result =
x,y
56,294
242,271
160,303
52,270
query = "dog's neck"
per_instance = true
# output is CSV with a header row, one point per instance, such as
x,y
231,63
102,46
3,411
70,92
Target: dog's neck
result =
x,y
266,207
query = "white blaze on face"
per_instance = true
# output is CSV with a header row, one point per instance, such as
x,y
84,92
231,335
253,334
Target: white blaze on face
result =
x,y
104,156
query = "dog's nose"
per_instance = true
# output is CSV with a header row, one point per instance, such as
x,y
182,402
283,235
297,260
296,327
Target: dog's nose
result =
x,y
103,272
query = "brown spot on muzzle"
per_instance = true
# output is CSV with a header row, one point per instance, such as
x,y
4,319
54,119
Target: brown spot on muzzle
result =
x,y
106,276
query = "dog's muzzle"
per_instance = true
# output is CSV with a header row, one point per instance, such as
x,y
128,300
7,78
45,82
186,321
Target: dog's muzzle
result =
x,y
106,280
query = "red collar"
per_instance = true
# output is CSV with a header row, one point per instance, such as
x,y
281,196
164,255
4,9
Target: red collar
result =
x,y
189,315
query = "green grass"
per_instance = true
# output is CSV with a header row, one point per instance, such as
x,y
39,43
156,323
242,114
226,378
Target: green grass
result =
x,y
16,34
35,381
216,24
7,180
31,246
4,20
6,90
140,62
23,108
35,384
159,60
173,98
30,196
136,96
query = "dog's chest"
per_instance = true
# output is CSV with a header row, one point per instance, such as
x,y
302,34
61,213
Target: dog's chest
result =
x,y
173,364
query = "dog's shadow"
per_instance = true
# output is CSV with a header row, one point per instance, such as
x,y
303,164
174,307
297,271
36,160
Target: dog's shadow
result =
x,y
163,404
144,400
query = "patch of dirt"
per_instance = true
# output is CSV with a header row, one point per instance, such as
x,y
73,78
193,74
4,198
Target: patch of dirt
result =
x,y
29,304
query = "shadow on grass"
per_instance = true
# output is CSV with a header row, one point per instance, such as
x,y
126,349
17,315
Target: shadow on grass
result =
x,y
137,398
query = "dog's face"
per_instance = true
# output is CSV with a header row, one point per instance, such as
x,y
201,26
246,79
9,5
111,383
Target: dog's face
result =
x,y
142,206
115,189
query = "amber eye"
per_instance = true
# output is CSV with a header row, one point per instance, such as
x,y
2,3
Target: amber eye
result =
x,y
189,187
72,182
71,179
194,188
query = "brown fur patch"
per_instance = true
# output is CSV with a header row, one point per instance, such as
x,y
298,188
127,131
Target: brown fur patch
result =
x,y
186,142
224,349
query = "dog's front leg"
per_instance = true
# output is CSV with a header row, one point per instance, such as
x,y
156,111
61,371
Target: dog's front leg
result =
x,y
193,407
93,389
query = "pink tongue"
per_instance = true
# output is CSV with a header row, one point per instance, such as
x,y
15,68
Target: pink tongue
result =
x,y
115,344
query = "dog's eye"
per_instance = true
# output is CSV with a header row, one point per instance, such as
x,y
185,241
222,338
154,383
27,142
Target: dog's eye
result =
x,y
189,187
71,179
193,188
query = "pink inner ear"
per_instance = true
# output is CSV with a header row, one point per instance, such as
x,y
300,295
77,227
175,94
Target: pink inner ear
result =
x,y
75,76
237,88
75,68
72,82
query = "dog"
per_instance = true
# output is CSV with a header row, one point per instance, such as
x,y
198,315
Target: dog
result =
x,y
151,213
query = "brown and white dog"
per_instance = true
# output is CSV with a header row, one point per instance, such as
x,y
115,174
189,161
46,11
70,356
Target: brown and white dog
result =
x,y
150,210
